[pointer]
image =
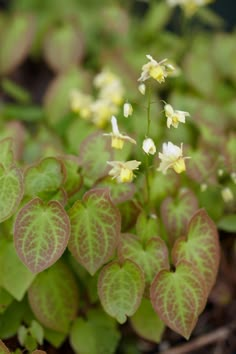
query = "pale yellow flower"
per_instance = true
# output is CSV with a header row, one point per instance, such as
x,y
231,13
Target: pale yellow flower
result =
x,y
104,78
118,139
81,103
227,195
149,146
174,117
102,110
158,71
127,110
172,157
113,92
123,171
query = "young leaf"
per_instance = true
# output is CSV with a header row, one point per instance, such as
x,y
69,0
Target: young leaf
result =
x,y
41,234
94,152
11,191
201,247
5,300
120,288
179,297
14,276
54,338
74,180
7,156
95,229
53,297
47,175
3,348
151,257
146,322
147,226
175,213
120,192
97,335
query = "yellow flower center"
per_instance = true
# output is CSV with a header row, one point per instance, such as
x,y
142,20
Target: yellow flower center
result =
x,y
179,165
117,143
126,175
157,73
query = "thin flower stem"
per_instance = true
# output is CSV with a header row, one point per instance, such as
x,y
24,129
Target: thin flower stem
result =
x,y
147,176
149,111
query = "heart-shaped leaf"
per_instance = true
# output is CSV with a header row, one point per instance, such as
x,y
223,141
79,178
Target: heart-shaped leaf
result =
x,y
16,39
147,226
177,212
120,288
120,192
94,152
147,323
14,276
70,38
95,229
53,297
45,176
151,257
41,234
201,247
179,297
97,335
11,191
74,179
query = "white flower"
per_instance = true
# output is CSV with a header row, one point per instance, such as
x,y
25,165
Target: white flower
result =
x,y
102,109
149,146
189,6
123,171
127,110
118,139
172,157
227,195
158,71
174,117
142,88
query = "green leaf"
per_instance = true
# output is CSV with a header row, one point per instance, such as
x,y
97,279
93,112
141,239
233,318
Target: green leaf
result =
x,y
120,289
120,192
53,297
7,156
94,153
14,276
5,299
11,319
151,257
199,167
147,226
176,213
95,229
56,100
54,338
3,348
74,179
15,91
36,330
16,39
21,334
179,297
70,38
45,176
168,186
146,322
201,247
96,335
227,223
11,191
41,234
230,152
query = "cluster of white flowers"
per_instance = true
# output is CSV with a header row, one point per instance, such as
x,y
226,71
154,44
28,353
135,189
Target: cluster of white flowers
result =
x,y
109,99
189,6
171,155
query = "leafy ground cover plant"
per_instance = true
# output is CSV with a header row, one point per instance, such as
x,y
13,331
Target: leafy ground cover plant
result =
x,y
110,192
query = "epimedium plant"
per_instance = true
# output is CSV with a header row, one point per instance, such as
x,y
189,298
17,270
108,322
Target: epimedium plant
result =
x,y
89,225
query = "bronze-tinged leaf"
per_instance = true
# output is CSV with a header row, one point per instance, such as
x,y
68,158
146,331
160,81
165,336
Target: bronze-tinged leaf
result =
x,y
120,288
201,247
41,234
53,297
176,212
95,229
179,297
